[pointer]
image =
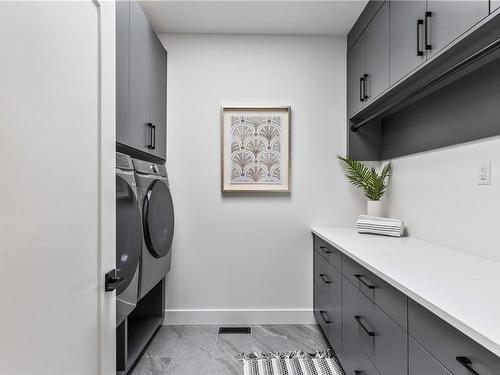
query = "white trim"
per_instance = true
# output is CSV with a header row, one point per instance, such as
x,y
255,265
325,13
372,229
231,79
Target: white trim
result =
x,y
238,316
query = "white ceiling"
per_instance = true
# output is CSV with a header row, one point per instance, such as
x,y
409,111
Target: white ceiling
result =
x,y
307,17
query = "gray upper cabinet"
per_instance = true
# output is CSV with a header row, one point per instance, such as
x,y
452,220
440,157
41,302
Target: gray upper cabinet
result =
x,y
377,54
122,70
159,97
356,69
140,83
406,40
447,20
139,134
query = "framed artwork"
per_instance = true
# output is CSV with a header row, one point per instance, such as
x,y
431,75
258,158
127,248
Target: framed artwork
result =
x,y
255,149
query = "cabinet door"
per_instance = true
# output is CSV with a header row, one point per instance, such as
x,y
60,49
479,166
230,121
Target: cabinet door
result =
x,y
139,135
377,54
450,19
355,72
159,97
422,363
406,40
122,70
494,5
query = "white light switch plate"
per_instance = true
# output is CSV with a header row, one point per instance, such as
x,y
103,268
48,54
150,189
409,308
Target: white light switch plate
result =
x,y
484,174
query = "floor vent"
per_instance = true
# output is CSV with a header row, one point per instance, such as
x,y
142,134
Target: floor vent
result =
x,y
235,330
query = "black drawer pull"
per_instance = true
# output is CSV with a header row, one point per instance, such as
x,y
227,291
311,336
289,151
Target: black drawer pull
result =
x,y
323,314
361,90
428,15
419,25
368,332
357,372
324,278
360,278
466,362
325,250
365,82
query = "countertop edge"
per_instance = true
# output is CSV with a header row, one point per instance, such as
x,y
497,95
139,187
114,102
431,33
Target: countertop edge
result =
x,y
458,324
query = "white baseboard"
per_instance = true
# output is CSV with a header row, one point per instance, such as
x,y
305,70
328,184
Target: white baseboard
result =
x,y
238,316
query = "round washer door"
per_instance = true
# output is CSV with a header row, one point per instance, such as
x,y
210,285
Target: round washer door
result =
x,y
158,219
128,233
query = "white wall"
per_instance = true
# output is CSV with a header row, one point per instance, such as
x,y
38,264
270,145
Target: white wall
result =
x,y
248,258
437,195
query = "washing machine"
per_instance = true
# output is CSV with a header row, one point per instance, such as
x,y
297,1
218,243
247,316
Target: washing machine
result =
x,y
128,237
157,221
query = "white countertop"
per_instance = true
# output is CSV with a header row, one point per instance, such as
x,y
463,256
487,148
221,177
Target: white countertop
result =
x,y
461,288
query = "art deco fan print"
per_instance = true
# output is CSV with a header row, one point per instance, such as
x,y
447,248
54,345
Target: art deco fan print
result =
x,y
255,149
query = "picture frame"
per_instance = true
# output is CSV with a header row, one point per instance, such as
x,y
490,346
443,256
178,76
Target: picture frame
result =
x,y
255,149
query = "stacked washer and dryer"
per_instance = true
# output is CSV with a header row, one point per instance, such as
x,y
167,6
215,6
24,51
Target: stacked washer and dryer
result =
x,y
144,233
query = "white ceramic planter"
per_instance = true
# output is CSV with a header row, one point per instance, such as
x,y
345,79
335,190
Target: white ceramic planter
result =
x,y
374,208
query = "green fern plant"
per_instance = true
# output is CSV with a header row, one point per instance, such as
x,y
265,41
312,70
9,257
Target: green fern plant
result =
x,y
373,184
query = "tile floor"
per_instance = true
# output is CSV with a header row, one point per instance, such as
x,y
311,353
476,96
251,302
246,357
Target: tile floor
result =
x,y
199,350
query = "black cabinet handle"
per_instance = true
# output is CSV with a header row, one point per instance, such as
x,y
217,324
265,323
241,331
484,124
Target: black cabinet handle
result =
x,y
360,278
419,25
368,332
357,372
428,15
324,278
112,281
466,362
154,137
365,82
361,89
150,128
323,314
325,250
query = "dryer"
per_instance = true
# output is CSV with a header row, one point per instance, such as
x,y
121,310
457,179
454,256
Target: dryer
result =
x,y
157,221
128,237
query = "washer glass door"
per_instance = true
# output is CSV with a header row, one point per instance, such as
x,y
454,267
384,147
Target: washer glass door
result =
x,y
158,218
128,233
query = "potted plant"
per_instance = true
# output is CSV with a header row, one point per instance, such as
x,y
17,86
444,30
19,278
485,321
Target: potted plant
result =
x,y
373,184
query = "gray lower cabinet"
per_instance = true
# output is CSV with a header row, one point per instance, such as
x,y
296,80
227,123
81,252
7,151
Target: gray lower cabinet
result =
x,y
375,329
406,41
354,359
141,74
420,362
377,54
356,68
447,20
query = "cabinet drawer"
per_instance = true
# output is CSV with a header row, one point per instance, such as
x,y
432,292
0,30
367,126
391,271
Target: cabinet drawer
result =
x,y
328,280
331,254
384,295
379,336
354,360
448,345
420,362
328,319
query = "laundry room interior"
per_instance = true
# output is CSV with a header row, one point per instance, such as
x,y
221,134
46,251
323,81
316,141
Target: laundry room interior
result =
x,y
250,187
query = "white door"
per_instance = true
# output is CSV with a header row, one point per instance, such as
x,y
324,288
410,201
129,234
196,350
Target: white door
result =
x,y
56,187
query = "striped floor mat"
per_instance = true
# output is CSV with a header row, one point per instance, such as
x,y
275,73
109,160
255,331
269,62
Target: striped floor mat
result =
x,y
324,362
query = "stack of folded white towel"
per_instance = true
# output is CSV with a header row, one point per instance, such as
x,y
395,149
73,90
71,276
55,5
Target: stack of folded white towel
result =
x,y
380,225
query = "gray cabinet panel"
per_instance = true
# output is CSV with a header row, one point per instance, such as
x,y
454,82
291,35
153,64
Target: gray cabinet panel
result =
x,y
446,343
122,70
328,279
159,96
404,56
331,254
354,360
356,69
140,65
329,320
450,19
421,362
384,342
377,53
384,295
494,5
